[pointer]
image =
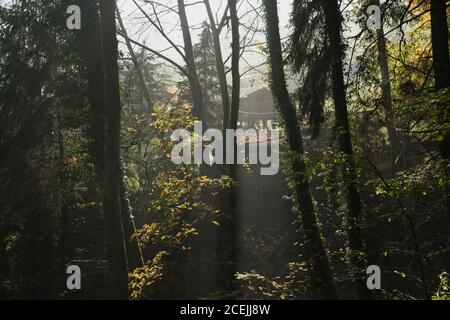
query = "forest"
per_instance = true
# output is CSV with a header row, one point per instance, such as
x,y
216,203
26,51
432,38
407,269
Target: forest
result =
x,y
224,150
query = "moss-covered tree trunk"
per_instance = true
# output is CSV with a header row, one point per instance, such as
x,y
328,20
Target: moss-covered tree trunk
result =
x,y
354,207
133,246
112,174
91,55
321,270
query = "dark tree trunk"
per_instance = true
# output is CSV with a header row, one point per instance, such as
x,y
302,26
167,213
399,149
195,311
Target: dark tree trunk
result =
x,y
439,33
441,66
219,66
112,173
91,54
194,83
354,207
321,270
232,124
235,72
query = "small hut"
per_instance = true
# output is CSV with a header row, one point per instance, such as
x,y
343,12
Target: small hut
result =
x,y
256,108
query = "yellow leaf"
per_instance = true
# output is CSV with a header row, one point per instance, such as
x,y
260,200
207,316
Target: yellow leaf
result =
x,y
216,223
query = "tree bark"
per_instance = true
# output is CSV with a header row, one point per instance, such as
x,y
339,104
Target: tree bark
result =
x,y
232,124
194,83
91,55
439,34
354,207
441,66
387,97
219,66
235,72
321,270
112,174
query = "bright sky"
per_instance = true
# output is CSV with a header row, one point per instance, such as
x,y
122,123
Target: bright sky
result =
x,y
139,28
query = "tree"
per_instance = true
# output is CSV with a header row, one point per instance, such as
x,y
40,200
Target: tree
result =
x,y
342,127
235,72
206,67
441,66
220,66
34,69
321,270
387,93
112,173
196,89
439,38
91,57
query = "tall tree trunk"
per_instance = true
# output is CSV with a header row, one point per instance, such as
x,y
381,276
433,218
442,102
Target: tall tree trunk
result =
x,y
387,97
441,65
439,34
354,207
136,64
91,54
194,83
235,72
322,274
232,124
219,66
112,175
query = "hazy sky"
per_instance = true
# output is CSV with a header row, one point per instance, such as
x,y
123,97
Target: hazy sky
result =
x,y
139,28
